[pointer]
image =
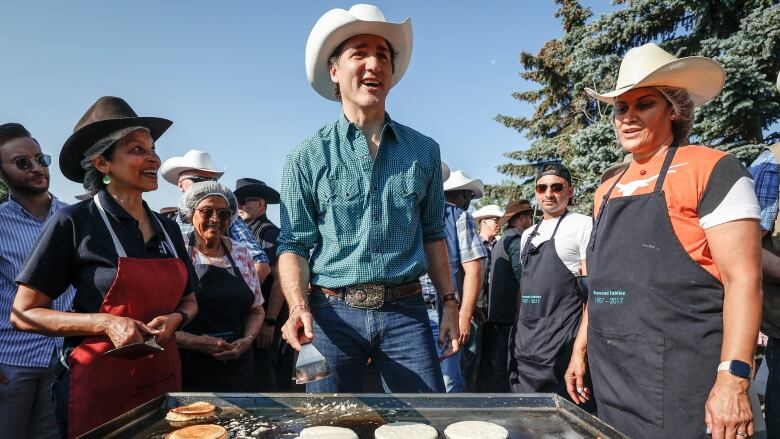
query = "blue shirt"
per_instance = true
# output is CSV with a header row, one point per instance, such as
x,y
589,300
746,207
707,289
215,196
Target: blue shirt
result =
x,y
764,171
362,219
18,233
239,232
463,245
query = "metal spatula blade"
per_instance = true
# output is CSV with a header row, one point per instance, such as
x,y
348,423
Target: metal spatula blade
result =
x,y
311,365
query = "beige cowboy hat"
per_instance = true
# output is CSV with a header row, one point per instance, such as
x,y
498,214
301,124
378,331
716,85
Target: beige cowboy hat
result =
x,y
461,181
649,65
339,25
445,171
489,211
192,160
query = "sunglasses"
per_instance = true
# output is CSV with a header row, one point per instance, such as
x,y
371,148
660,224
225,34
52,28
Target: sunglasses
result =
x,y
222,214
557,188
199,179
25,163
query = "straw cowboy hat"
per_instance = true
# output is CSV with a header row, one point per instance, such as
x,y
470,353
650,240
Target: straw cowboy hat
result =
x,y
515,208
339,25
649,65
461,181
250,187
192,160
489,211
106,116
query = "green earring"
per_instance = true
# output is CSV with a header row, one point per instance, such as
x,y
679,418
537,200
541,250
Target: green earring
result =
x,y
106,179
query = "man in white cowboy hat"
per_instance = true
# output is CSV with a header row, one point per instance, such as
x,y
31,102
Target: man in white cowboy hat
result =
x,y
765,170
361,216
196,166
465,255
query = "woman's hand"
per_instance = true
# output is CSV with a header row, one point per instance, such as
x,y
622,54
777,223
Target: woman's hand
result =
x,y
234,350
727,411
167,325
266,336
575,379
124,331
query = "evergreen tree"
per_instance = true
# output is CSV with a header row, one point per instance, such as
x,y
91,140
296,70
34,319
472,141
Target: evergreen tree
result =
x,y
567,125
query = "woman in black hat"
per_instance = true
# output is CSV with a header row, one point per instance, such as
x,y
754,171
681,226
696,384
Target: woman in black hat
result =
x,y
134,282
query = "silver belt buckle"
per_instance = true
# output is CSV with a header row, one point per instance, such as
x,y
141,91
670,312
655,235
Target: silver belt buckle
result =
x,y
365,296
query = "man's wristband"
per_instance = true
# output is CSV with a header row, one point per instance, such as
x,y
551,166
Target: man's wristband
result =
x,y
184,318
302,306
452,296
270,322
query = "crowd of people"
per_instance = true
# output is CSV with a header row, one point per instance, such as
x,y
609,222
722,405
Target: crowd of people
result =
x,y
645,314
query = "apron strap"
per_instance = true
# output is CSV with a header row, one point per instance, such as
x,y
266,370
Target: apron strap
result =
x,y
167,237
117,245
558,224
659,184
527,247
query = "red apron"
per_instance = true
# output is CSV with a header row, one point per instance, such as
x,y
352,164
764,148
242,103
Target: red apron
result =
x,y
101,387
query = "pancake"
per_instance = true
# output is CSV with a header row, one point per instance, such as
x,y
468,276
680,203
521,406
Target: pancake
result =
x,y
475,429
198,410
203,431
327,432
406,430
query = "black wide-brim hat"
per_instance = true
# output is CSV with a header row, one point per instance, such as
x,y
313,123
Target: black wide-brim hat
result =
x,y
250,187
107,115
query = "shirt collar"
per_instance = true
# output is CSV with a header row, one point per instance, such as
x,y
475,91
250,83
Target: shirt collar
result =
x,y
13,204
347,129
117,211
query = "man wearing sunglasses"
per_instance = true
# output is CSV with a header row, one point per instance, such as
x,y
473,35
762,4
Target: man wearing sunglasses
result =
x,y
552,255
195,167
26,359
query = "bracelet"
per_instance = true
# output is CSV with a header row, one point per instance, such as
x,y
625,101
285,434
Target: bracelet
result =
x,y
184,318
452,296
251,337
302,306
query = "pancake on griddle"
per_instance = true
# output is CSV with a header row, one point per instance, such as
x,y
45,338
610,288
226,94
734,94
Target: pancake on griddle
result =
x,y
186,413
473,429
327,432
202,431
406,430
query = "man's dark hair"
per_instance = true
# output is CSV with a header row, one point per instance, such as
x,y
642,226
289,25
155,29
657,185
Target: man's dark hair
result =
x,y
334,58
11,131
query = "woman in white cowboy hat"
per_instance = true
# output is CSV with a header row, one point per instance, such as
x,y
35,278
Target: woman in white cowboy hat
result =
x,y
674,268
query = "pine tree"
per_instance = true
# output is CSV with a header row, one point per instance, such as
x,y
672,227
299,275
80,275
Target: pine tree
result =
x,y
568,126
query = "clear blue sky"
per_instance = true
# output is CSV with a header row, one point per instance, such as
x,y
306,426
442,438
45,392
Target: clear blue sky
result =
x,y
231,76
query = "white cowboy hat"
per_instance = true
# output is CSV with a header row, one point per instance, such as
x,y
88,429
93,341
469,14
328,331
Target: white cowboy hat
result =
x,y
461,181
649,65
192,160
489,211
445,171
339,25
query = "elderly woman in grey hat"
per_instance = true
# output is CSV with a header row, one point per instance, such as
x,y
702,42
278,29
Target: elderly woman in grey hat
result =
x,y
215,345
673,265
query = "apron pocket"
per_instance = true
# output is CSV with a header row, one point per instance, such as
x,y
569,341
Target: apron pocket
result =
x,y
628,373
539,340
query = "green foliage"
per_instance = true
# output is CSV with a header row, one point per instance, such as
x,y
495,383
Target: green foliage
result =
x,y
566,125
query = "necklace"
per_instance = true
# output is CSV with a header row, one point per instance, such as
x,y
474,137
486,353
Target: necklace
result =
x,y
660,153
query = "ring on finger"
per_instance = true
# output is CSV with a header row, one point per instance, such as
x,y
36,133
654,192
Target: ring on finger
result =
x,y
742,434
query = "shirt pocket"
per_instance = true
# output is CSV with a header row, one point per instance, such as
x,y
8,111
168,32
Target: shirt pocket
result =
x,y
414,184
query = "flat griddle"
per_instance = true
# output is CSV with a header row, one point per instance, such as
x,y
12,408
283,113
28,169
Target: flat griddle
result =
x,y
283,415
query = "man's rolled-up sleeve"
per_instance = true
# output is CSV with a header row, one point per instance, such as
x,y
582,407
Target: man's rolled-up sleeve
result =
x,y
432,205
299,232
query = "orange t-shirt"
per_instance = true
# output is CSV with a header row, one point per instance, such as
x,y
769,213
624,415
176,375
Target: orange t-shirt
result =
x,y
704,187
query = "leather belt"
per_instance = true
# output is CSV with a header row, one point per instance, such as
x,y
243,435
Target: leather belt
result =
x,y
371,295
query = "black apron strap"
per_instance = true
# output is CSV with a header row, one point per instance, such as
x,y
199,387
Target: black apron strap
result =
x,y
558,224
659,183
527,247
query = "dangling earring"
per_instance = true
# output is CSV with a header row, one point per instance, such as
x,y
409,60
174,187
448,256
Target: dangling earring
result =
x,y
106,179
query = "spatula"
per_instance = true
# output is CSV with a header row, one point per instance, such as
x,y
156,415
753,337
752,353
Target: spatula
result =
x,y
311,365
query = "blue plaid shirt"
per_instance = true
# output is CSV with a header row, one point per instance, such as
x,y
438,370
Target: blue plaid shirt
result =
x,y
764,171
18,233
470,248
360,220
239,232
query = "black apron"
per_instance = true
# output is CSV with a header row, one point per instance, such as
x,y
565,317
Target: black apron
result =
x,y
224,302
547,321
655,320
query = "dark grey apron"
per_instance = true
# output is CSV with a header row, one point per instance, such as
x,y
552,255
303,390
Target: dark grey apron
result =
x,y
547,321
655,320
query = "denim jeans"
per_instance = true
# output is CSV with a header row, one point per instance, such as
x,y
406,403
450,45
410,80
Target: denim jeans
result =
x,y
396,337
26,403
450,366
772,412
